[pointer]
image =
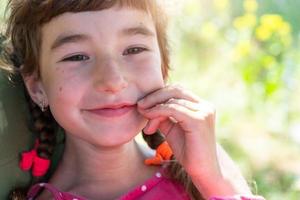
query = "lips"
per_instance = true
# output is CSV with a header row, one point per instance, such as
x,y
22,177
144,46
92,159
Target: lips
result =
x,y
116,110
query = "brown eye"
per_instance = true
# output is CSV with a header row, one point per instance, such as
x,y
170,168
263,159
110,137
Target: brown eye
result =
x,y
134,50
76,58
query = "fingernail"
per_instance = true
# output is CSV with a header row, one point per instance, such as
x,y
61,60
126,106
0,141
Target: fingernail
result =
x,y
145,130
149,128
148,132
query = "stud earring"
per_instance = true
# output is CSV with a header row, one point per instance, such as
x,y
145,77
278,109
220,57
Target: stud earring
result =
x,y
42,105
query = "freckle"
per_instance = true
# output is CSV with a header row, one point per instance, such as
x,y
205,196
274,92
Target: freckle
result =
x,y
60,89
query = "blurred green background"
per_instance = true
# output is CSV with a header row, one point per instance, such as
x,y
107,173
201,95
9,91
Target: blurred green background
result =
x,y
243,56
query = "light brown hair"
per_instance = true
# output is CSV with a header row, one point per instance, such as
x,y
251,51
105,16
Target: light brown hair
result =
x,y
23,49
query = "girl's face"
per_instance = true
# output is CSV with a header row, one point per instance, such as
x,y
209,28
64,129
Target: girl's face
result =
x,y
93,63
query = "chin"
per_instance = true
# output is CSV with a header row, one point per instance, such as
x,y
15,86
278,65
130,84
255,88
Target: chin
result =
x,y
113,138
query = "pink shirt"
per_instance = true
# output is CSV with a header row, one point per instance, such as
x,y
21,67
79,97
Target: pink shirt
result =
x,y
158,187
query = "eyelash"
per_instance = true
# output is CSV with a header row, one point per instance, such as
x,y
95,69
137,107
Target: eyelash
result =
x,y
135,50
129,51
76,58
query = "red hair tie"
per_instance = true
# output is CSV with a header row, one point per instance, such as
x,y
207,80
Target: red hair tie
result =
x,y
40,166
27,160
30,159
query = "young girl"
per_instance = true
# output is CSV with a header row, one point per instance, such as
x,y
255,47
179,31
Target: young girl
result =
x,y
99,68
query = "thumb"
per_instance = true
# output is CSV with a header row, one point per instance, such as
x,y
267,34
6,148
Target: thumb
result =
x,y
153,125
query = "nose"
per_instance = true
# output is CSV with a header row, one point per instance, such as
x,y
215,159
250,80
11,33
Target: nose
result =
x,y
109,77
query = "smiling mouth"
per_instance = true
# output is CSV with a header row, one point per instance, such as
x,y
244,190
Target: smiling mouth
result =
x,y
114,111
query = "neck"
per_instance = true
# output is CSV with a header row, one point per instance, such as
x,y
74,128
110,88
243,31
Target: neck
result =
x,y
85,167
102,164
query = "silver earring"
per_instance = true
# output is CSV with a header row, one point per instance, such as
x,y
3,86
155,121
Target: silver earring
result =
x,y
42,105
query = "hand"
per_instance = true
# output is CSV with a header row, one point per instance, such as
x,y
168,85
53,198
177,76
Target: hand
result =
x,y
188,125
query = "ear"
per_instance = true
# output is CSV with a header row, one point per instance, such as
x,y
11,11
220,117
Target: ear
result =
x,y
35,88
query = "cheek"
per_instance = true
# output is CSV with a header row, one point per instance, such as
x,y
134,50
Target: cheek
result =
x,y
64,94
148,74
61,87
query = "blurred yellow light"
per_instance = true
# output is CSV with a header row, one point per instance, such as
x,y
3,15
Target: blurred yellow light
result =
x,y
273,22
250,6
221,5
285,29
243,48
245,21
263,33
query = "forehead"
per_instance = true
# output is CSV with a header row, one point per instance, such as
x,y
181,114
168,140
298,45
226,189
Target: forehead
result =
x,y
103,23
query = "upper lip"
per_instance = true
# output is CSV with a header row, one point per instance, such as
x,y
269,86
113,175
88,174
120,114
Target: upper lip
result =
x,y
113,106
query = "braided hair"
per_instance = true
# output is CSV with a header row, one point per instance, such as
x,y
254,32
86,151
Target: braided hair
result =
x,y
41,123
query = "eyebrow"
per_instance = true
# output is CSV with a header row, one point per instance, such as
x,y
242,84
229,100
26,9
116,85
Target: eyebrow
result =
x,y
138,30
68,38
72,38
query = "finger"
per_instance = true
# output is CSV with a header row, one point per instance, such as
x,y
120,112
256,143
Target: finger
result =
x,y
153,125
194,106
182,115
189,128
164,94
204,106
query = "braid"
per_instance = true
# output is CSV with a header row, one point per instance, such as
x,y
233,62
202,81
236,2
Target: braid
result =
x,y
154,140
45,128
174,168
41,123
